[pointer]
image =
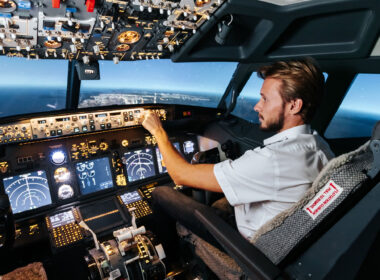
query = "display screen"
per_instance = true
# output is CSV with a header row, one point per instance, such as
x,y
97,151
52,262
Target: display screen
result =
x,y
94,175
130,197
27,191
62,219
160,161
139,164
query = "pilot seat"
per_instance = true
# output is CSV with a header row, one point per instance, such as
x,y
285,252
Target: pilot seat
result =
x,y
331,233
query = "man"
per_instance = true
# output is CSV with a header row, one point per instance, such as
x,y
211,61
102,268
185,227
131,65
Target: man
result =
x,y
269,179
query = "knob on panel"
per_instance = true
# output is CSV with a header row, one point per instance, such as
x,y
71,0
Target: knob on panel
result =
x,y
58,157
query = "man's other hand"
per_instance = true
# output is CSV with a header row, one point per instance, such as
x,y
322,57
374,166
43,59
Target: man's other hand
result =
x,y
152,123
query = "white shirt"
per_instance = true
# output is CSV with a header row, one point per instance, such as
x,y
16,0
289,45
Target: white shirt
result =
x,y
268,180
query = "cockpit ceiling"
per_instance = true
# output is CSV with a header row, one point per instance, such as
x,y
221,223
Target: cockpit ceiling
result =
x,y
188,30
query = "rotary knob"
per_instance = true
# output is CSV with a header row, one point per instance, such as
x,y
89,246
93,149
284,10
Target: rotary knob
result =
x,y
103,146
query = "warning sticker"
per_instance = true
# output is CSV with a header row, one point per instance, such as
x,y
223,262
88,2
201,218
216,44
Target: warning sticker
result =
x,y
323,199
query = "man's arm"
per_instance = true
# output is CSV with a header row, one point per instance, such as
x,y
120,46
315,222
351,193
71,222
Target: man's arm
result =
x,y
199,176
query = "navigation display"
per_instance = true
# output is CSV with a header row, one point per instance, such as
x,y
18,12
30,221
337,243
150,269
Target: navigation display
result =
x,y
130,197
62,219
139,164
160,161
94,175
27,191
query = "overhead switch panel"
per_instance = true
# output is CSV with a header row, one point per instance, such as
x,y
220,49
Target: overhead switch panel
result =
x,y
111,30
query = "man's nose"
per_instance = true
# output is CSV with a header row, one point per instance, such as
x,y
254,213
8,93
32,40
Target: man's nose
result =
x,y
256,108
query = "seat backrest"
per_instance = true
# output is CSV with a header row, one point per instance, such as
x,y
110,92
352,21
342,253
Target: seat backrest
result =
x,y
339,180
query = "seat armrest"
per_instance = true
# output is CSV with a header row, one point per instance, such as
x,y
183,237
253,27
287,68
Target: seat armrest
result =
x,y
252,261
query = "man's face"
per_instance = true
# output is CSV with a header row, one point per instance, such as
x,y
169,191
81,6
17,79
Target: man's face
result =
x,y
271,106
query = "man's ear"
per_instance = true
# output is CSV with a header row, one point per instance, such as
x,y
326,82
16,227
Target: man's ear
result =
x,y
296,106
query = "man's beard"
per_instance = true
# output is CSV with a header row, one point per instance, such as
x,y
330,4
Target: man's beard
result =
x,y
275,125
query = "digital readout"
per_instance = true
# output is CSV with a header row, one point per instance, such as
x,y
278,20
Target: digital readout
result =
x,y
130,197
94,175
62,219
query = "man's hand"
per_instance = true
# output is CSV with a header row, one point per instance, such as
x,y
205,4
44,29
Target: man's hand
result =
x,y
152,123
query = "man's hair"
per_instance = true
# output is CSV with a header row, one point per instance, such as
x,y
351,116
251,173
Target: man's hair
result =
x,y
300,79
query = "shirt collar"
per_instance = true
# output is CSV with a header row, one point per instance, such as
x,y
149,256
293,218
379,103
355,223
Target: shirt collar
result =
x,y
288,133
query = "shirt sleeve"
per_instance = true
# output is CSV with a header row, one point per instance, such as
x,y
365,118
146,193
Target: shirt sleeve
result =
x,y
249,178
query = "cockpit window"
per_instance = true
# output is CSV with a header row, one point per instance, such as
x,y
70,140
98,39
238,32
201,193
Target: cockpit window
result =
x,y
359,110
30,86
157,81
248,97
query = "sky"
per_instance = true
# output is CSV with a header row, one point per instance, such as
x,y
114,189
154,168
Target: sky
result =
x,y
161,75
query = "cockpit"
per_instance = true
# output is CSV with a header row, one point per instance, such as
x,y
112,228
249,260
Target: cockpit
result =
x,y
77,168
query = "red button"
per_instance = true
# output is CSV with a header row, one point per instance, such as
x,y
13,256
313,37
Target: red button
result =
x,y
90,5
56,4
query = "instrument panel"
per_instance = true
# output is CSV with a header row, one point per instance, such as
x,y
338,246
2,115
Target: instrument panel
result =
x,y
55,172
53,181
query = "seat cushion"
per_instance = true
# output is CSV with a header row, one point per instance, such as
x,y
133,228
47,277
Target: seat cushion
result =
x,y
285,231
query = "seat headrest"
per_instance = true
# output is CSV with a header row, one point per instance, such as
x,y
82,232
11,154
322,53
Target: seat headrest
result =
x,y
376,131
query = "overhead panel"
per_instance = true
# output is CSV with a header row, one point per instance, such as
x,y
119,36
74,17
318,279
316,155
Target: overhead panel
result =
x,y
94,30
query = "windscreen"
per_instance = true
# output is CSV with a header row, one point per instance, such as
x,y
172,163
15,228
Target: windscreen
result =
x,y
157,82
359,110
31,86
